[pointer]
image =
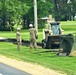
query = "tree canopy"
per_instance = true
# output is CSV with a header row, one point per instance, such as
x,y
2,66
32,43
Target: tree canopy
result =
x,y
18,10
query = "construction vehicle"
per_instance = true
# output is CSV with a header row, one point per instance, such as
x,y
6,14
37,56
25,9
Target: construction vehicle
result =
x,y
57,40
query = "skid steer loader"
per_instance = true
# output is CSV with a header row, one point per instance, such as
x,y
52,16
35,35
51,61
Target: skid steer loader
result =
x,y
57,40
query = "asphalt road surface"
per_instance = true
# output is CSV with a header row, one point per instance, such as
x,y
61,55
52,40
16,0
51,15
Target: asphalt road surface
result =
x,y
8,70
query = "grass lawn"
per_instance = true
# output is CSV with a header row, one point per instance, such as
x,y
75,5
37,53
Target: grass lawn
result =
x,y
48,59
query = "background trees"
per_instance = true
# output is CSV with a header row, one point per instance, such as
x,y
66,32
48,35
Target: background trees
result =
x,y
12,10
22,11
65,8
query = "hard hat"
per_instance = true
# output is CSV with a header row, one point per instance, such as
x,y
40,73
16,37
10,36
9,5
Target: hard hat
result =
x,y
18,29
30,25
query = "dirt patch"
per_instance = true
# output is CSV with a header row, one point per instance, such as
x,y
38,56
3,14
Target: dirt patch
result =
x,y
73,53
31,68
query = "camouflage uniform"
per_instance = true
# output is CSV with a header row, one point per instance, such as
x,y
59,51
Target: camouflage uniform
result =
x,y
18,37
32,38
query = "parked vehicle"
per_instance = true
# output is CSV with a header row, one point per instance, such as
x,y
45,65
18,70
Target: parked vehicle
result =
x,y
57,40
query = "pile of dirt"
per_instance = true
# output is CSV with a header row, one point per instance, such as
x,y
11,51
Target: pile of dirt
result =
x,y
73,53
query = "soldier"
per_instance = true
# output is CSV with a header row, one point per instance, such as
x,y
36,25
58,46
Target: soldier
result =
x,y
33,37
18,37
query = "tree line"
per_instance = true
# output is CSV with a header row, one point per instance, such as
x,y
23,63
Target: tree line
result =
x,y
22,11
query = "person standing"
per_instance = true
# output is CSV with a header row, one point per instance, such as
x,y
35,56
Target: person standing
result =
x,y
33,37
18,37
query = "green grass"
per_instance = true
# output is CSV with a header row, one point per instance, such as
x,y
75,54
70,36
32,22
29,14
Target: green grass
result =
x,y
68,25
47,59
68,22
24,34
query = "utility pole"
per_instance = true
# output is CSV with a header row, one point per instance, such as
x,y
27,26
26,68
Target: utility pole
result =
x,y
35,15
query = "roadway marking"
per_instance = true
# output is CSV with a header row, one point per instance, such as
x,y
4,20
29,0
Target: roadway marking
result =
x,y
1,74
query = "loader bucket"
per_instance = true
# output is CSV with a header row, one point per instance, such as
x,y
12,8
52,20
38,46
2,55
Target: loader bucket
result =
x,y
53,42
73,51
66,43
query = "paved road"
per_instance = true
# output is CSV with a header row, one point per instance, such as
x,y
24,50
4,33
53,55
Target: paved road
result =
x,y
8,70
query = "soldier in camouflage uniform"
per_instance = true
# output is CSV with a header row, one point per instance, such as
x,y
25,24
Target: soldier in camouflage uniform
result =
x,y
18,37
33,34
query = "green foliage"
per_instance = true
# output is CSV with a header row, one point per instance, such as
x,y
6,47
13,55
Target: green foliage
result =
x,y
41,24
44,8
17,9
13,9
8,28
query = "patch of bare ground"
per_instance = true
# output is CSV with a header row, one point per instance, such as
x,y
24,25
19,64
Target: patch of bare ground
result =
x,y
73,53
31,68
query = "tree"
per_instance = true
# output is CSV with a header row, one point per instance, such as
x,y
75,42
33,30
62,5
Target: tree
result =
x,y
44,8
64,10
13,9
